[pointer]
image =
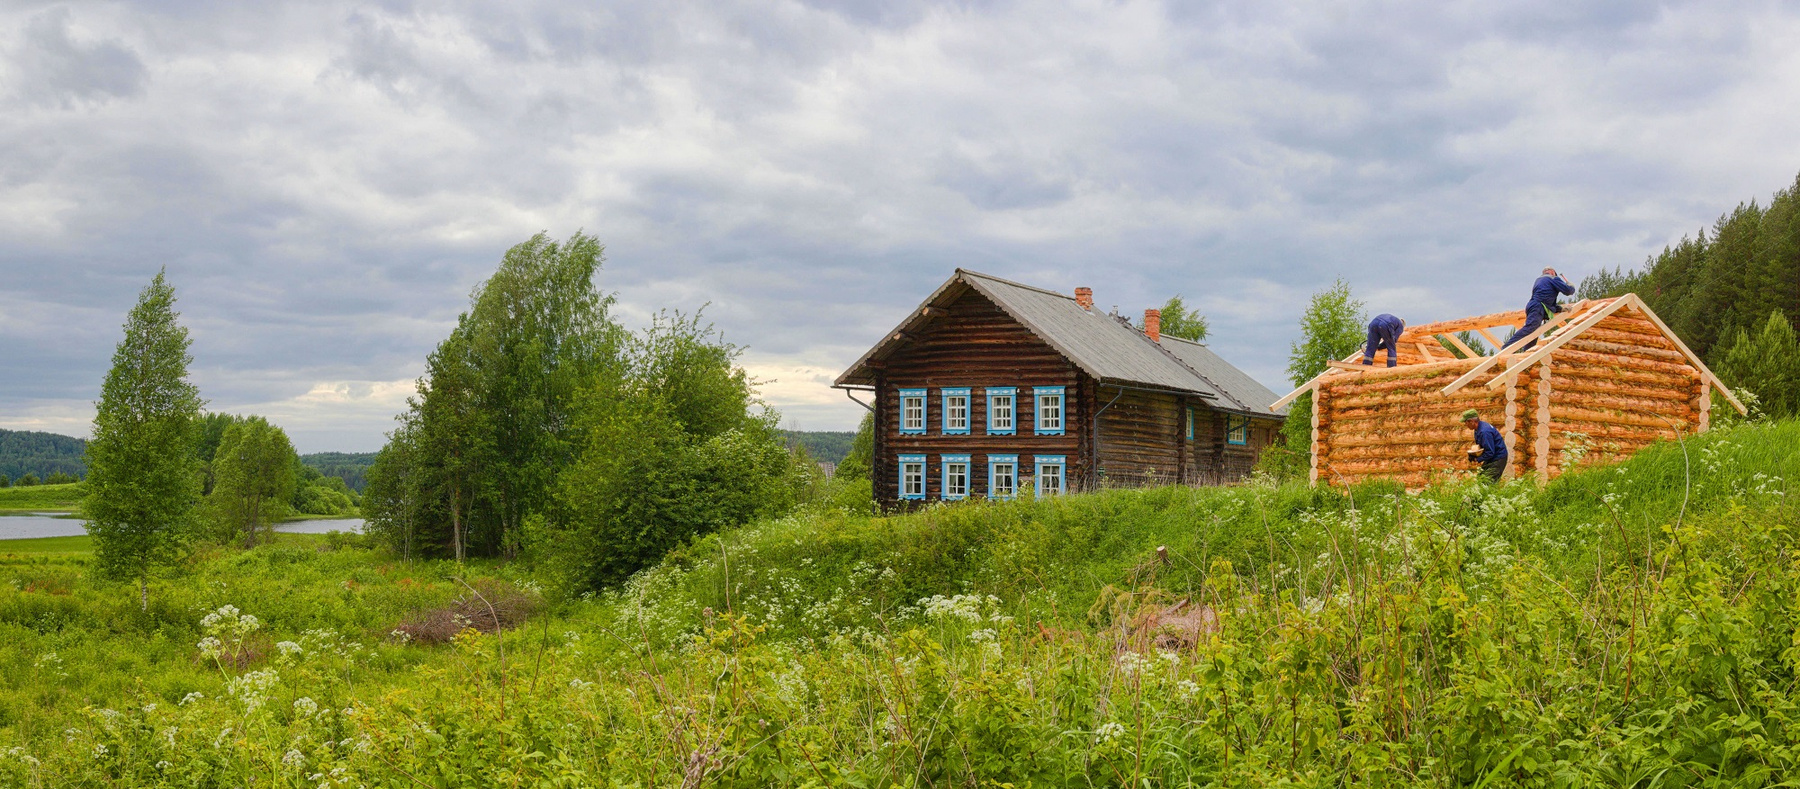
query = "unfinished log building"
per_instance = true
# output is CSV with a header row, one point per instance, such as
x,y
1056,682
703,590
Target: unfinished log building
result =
x,y
1606,378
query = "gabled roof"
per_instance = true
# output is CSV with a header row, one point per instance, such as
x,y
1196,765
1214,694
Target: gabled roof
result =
x,y
1241,392
1106,347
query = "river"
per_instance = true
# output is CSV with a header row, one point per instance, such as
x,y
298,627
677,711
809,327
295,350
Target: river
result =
x,y
28,525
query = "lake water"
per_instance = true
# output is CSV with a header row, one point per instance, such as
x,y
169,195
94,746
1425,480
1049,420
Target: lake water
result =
x,y
49,524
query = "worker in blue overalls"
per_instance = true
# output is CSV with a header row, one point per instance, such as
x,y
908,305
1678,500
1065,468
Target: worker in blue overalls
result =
x,y
1542,305
1490,448
1384,332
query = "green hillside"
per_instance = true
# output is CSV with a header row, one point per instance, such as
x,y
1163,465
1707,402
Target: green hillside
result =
x,y
1623,626
42,454
826,445
42,498
351,467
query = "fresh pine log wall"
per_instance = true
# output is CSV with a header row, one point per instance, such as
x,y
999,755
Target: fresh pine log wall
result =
x,y
1614,389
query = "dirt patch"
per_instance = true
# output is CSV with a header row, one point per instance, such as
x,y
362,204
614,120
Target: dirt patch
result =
x,y
1151,619
490,608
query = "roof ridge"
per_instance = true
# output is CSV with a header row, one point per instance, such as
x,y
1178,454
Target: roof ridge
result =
x,y
1004,281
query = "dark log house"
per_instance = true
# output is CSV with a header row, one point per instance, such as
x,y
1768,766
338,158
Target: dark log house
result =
x,y
991,388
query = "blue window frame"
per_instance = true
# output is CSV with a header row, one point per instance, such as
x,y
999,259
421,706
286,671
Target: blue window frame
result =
x,y
1237,429
912,412
912,477
956,411
1049,411
1003,476
1050,476
1002,410
956,477
1190,420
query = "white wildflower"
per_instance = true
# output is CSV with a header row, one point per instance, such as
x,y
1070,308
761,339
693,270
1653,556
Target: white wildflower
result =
x,y
191,698
305,707
1108,733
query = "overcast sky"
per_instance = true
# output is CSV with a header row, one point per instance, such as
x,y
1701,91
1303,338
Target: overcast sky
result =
x,y
326,182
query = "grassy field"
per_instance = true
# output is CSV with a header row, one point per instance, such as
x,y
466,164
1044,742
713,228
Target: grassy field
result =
x,y
42,498
1630,626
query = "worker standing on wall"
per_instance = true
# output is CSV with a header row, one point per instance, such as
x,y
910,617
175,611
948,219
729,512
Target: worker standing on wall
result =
x,y
1490,448
1384,332
1542,305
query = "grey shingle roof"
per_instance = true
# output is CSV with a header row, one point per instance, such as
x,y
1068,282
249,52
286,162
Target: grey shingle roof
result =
x,y
1104,346
1242,393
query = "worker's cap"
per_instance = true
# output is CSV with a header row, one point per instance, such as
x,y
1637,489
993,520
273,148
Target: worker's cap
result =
x,y
1549,270
1468,415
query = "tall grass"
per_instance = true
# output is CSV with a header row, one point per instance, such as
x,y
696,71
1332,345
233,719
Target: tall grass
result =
x,y
43,498
1622,627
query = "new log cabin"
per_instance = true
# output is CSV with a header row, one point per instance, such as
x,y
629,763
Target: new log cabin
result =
x,y
1606,378
991,388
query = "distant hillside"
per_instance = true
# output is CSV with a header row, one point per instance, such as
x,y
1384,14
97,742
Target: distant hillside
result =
x,y
43,454
827,445
348,466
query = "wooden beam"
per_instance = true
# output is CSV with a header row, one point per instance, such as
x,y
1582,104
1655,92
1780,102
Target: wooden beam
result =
x,y
1492,340
1574,330
1353,366
1704,406
1309,385
1508,318
1510,433
1462,346
1541,447
1506,352
1705,372
932,312
1425,351
1313,471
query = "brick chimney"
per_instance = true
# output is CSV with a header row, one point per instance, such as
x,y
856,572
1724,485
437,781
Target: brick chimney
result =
x,y
1085,297
1153,324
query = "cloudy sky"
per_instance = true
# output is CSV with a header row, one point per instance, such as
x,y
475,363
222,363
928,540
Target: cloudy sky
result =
x,y
326,182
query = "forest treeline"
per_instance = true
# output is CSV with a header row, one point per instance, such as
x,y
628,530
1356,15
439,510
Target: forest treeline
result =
x,y
1732,293
543,429
39,456
828,446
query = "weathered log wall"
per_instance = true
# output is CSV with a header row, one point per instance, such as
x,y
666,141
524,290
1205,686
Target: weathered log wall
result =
x,y
975,345
1140,437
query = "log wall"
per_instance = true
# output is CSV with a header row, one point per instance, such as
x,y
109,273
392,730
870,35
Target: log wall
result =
x,y
1614,389
975,345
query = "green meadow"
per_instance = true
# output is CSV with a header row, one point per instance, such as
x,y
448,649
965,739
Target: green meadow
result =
x,y
1624,626
42,498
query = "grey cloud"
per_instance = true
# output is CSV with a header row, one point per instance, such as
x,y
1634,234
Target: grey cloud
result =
x,y
326,181
51,68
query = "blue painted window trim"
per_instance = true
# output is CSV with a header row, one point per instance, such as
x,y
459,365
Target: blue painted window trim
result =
x,y
996,460
924,415
1190,423
904,460
968,410
1041,463
944,485
1037,409
1011,392
1237,430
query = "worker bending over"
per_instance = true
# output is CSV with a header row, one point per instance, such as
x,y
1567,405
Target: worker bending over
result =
x,y
1542,305
1384,332
1490,448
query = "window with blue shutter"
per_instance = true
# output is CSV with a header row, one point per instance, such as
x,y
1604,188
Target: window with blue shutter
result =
x,y
1003,476
956,411
956,477
912,476
912,412
1048,410
1050,476
1002,410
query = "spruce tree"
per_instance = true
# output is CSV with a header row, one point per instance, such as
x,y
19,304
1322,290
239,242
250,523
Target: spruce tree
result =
x,y
143,477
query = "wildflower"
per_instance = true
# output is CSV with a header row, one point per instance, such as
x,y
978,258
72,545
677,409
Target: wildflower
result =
x,y
1108,733
252,689
1186,689
305,707
99,750
191,698
289,650
293,758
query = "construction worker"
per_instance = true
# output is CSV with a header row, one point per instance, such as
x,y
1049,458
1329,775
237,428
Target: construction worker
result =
x,y
1384,332
1542,305
1490,448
